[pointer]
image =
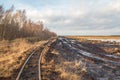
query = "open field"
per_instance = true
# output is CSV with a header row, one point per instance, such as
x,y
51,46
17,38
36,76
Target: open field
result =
x,y
110,44
95,37
63,58
59,40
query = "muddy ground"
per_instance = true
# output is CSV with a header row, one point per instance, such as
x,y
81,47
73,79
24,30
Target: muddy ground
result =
x,y
69,59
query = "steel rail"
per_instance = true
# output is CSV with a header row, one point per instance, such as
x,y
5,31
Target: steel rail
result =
x,y
20,72
39,63
44,51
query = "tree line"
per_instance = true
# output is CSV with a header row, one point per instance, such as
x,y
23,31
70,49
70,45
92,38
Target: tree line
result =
x,y
15,24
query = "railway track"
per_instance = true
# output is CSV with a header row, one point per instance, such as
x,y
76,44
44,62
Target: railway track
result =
x,y
31,69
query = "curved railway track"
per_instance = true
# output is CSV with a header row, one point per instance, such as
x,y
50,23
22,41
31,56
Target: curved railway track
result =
x,y
23,69
31,69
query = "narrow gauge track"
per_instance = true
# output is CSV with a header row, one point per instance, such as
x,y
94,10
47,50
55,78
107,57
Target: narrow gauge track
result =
x,y
28,68
31,69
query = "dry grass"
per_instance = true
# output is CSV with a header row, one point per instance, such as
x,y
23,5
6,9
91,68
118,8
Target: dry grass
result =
x,y
66,75
12,55
72,70
94,37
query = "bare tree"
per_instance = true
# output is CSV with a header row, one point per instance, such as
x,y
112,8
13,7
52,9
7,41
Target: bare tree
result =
x,y
16,25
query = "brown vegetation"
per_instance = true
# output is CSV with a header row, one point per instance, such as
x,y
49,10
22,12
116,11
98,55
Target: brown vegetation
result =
x,y
94,37
13,54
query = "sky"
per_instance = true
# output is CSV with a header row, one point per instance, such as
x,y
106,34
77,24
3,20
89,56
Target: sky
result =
x,y
73,17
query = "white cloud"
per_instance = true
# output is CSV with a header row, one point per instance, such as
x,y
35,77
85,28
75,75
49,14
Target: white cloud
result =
x,y
89,17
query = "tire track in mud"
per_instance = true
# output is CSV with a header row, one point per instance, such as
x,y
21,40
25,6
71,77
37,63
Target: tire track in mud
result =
x,y
63,55
100,66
